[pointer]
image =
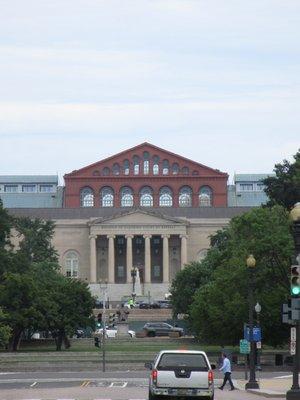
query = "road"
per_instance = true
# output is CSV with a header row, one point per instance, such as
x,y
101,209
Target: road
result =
x,y
128,385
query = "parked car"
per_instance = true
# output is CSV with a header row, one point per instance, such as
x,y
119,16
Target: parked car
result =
x,y
112,332
181,373
165,304
161,329
144,305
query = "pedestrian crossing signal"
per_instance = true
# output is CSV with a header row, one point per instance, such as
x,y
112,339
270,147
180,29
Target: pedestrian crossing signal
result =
x,y
97,342
295,280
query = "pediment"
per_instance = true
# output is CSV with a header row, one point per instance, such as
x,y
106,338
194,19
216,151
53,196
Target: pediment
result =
x,y
98,169
139,217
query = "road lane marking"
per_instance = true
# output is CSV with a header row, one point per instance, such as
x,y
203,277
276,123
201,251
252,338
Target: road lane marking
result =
x,y
34,383
85,383
118,384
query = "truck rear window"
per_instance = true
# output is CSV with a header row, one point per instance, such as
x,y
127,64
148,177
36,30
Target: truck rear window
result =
x,y
170,361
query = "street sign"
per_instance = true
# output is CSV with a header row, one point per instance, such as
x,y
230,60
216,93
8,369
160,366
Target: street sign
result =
x,y
256,333
258,345
293,334
293,348
244,346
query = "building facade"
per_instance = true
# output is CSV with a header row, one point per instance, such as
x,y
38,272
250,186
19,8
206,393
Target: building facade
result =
x,y
146,176
27,191
248,190
145,209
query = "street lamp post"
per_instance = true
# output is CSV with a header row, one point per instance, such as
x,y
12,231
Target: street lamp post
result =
x,y
252,383
103,287
258,310
294,392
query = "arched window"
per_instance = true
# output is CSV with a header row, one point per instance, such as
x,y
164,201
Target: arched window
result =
x,y
126,167
175,169
165,167
155,168
205,196
136,165
146,197
185,197
146,167
107,197
86,197
71,264
105,171
116,169
185,170
165,197
126,197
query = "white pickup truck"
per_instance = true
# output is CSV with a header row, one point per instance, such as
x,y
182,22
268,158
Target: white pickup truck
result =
x,y
181,373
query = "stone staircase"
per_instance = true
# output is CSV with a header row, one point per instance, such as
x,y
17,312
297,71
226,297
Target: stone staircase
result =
x,y
137,314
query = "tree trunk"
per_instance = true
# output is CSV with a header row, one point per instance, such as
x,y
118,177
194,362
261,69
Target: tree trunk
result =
x,y
67,342
59,340
15,340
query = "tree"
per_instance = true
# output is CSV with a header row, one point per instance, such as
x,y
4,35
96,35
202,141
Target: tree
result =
x,y
36,236
33,294
284,188
220,307
4,330
186,282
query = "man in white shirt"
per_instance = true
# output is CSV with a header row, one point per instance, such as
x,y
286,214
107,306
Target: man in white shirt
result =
x,y
226,368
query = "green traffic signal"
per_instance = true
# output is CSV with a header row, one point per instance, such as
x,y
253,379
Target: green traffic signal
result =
x,y
295,280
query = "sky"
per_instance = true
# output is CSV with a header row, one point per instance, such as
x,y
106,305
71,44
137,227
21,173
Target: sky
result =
x,y
212,80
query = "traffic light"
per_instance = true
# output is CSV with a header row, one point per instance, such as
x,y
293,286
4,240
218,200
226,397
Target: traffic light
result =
x,y
97,342
111,319
99,321
295,280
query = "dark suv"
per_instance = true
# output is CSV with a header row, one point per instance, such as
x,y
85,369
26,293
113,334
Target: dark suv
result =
x,y
161,329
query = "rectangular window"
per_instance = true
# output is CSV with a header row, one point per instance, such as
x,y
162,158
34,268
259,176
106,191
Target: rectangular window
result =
x,y
246,187
120,271
46,188
260,187
28,188
11,188
156,271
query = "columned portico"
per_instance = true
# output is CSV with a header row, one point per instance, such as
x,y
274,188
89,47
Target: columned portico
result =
x,y
166,267
93,259
157,246
111,258
147,259
183,250
129,257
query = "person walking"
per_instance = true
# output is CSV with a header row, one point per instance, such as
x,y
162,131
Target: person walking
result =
x,y
226,368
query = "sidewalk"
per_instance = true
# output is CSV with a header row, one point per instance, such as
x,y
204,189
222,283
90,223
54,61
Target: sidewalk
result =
x,y
274,387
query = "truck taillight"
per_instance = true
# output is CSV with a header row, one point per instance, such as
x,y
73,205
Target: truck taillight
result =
x,y
210,377
154,376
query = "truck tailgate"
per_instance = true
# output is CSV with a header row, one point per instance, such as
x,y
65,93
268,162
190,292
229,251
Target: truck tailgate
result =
x,y
182,378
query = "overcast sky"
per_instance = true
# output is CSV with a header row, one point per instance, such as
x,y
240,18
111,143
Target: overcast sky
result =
x,y
215,81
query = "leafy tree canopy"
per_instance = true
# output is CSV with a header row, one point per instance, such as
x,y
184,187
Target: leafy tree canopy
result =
x,y
220,308
284,188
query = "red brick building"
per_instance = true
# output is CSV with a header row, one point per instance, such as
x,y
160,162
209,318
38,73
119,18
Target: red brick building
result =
x,y
146,176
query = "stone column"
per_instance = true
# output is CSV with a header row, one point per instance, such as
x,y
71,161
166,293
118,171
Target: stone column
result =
x,y
166,265
147,258
128,257
111,259
183,250
93,259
